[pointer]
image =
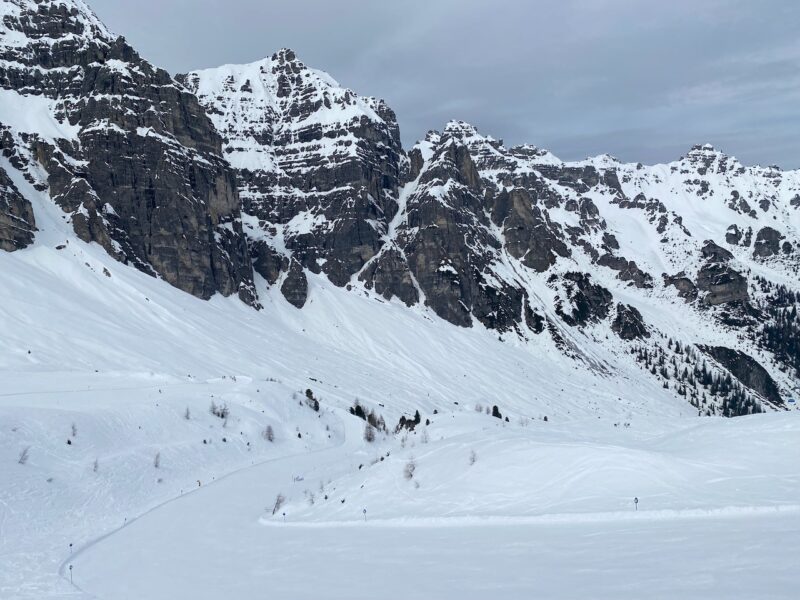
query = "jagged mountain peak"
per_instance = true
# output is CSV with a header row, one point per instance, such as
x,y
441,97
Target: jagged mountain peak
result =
x,y
286,55
467,133
315,160
125,152
56,20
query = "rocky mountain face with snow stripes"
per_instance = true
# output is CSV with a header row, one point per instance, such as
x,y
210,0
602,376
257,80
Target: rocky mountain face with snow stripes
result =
x,y
319,167
273,169
126,152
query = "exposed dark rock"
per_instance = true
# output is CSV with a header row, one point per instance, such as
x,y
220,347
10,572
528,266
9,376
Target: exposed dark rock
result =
x,y
722,284
686,288
295,286
628,270
747,370
610,241
533,320
529,234
315,161
768,243
734,235
588,302
17,224
628,324
267,261
390,276
143,175
713,253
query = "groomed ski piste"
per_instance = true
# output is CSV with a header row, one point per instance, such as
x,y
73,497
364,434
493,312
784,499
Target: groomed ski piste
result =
x,y
119,482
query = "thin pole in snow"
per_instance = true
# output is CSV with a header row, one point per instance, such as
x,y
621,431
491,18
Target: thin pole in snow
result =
x,y
70,548
636,504
284,517
70,574
365,515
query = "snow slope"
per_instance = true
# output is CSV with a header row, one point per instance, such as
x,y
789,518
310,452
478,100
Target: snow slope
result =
x,y
121,356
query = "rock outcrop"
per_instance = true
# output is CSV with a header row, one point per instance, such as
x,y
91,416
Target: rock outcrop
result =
x,y
318,165
17,223
747,370
628,324
128,153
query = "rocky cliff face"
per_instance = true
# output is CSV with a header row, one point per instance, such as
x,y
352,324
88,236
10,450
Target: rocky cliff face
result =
x,y
319,166
17,223
126,152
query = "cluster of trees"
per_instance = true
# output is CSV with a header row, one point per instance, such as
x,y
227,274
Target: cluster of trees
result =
x,y
686,371
372,418
781,332
311,401
409,424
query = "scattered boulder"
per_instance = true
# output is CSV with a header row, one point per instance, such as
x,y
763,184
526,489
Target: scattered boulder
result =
x,y
768,243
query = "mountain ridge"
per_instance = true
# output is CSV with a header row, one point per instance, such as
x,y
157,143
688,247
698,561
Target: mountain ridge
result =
x,y
272,169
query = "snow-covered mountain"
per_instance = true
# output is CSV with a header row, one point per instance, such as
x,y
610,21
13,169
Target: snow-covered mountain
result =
x,y
232,295
702,250
319,166
126,152
273,169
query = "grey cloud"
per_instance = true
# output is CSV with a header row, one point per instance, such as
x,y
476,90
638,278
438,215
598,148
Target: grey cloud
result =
x,y
638,79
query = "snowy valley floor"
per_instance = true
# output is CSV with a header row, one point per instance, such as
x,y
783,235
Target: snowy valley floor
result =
x,y
223,541
544,511
107,442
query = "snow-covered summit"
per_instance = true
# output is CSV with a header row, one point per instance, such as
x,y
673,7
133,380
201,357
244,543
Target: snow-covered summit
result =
x,y
57,21
315,161
262,107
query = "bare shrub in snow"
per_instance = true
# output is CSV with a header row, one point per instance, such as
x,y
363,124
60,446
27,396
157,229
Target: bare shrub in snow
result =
x,y
278,503
409,469
157,460
221,411
369,433
96,466
473,457
478,408
425,437
187,415
23,456
268,434
74,429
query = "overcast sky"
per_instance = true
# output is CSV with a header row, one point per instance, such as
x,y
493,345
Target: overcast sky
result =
x,y
640,79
